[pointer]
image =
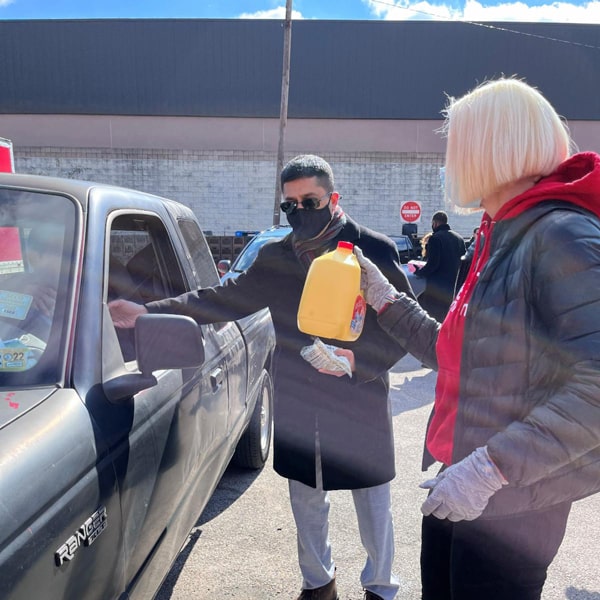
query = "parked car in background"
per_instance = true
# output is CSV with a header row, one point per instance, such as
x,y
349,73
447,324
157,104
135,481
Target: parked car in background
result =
x,y
406,248
112,441
245,258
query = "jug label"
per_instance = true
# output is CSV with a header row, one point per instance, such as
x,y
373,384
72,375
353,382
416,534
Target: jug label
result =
x,y
358,315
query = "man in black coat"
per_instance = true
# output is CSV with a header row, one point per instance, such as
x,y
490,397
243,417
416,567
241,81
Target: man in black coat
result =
x,y
444,251
331,431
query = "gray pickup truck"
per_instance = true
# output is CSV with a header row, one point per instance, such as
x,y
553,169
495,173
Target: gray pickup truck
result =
x,y
112,441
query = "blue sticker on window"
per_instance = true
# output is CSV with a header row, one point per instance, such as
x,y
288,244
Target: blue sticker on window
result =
x,y
14,305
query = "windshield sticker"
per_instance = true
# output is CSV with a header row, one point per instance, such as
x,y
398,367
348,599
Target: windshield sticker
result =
x,y
22,353
13,356
11,257
14,305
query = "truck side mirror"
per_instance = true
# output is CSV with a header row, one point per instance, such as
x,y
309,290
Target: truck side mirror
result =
x,y
167,342
162,342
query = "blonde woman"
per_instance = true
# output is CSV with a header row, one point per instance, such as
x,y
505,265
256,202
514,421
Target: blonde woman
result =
x,y
516,420
424,241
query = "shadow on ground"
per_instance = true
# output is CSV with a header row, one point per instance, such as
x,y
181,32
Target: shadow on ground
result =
x,y
411,385
574,594
233,484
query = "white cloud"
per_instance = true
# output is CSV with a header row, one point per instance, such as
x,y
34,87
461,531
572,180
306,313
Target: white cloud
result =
x,y
5,3
273,13
472,10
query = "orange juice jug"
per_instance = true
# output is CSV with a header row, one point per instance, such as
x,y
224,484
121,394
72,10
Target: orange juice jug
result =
x,y
332,305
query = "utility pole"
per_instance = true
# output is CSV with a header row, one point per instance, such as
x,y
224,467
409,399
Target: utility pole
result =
x,y
285,85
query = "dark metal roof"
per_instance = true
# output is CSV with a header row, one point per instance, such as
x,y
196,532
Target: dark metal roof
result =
x,y
339,69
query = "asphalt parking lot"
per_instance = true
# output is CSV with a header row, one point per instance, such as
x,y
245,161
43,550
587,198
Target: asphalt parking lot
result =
x,y
244,544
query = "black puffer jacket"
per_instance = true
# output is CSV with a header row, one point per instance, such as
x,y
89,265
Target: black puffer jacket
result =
x,y
530,363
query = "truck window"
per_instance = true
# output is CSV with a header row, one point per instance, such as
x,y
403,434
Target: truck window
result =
x,y
142,266
202,260
142,263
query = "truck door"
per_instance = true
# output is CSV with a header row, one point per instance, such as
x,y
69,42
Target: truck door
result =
x,y
169,431
226,337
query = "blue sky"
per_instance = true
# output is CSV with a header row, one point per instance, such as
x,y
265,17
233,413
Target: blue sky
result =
x,y
569,11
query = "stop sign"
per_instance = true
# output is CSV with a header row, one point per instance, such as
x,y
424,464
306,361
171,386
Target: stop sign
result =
x,y
410,212
6,156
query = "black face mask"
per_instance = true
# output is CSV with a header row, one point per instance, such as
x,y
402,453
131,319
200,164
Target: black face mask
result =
x,y
308,224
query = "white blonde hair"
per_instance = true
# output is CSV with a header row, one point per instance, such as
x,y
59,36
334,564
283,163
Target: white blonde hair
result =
x,y
499,133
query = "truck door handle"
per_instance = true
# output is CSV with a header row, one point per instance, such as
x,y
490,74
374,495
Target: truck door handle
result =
x,y
216,378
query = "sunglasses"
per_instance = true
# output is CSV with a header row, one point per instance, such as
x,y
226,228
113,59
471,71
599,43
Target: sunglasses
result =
x,y
290,206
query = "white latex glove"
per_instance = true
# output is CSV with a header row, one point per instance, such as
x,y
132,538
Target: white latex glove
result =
x,y
378,290
463,490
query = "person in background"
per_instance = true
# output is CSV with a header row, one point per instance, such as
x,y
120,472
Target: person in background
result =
x,y
473,237
444,251
330,431
516,419
466,259
424,241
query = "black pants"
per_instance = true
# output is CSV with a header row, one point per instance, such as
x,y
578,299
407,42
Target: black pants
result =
x,y
436,306
495,559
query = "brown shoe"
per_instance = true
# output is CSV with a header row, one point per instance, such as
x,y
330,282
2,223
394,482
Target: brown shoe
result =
x,y
325,592
372,596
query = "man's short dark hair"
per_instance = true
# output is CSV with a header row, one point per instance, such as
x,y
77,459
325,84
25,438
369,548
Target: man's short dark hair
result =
x,y
440,217
306,166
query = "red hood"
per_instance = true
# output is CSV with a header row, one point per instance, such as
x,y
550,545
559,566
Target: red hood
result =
x,y
576,180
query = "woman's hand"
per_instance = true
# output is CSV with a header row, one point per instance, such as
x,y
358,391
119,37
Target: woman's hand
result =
x,y
378,290
463,490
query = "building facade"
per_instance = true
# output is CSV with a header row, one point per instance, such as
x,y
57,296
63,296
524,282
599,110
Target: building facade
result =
x,y
189,109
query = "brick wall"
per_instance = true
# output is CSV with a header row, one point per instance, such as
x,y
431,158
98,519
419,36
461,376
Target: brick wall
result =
x,y
235,190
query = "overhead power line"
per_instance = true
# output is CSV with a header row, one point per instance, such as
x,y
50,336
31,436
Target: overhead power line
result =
x,y
486,25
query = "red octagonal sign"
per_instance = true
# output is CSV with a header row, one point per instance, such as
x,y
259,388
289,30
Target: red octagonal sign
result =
x,y
7,164
410,211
